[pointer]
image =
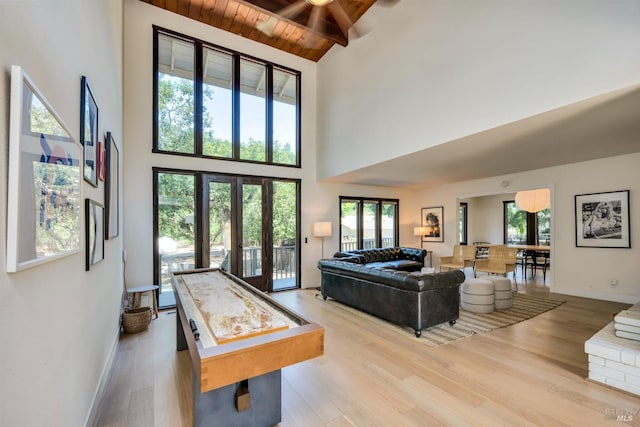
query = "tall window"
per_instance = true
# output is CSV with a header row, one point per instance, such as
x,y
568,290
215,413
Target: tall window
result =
x,y
526,228
368,223
214,102
463,223
175,118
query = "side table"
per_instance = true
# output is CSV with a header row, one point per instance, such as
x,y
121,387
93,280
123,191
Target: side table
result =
x,y
430,256
137,296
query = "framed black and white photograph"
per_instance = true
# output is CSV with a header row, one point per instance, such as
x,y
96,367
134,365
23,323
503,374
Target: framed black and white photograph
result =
x,y
89,132
111,188
94,221
433,224
602,220
44,181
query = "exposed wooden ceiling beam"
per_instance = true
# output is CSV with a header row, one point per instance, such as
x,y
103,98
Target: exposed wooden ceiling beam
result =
x,y
331,32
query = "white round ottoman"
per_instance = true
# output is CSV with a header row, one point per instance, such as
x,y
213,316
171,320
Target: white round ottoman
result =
x,y
477,295
503,292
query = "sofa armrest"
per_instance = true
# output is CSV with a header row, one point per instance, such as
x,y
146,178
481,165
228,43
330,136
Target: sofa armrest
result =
x,y
413,254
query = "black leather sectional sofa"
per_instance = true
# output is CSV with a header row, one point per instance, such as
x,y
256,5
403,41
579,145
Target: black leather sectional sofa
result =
x,y
407,298
403,259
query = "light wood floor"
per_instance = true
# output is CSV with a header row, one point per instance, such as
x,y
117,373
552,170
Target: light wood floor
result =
x,y
532,373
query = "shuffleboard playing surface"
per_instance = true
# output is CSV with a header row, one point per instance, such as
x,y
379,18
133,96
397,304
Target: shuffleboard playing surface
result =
x,y
229,311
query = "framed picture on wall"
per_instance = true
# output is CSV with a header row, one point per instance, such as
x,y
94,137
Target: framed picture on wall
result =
x,y
602,220
44,180
433,224
94,233
89,132
111,187
102,158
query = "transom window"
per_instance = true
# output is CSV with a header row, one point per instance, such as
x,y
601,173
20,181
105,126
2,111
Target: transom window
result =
x,y
213,102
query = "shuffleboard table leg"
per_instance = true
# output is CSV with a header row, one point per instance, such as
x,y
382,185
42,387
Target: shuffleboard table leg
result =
x,y
181,341
218,407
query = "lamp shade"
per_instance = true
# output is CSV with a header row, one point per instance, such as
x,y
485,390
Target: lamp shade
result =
x,y
319,2
419,231
321,229
533,200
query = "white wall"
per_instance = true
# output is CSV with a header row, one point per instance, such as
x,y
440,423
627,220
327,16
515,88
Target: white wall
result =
x,y
575,271
319,201
485,218
59,324
432,71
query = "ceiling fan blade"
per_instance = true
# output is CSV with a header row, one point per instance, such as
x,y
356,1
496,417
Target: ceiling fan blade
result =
x,y
341,17
316,24
387,3
267,26
293,9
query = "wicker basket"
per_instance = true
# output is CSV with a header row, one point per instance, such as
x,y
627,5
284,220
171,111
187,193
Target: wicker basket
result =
x,y
136,320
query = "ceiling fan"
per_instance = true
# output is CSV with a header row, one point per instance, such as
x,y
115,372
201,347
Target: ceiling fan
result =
x,y
317,16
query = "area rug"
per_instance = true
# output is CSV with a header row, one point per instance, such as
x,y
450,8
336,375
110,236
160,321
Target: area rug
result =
x,y
468,324
524,307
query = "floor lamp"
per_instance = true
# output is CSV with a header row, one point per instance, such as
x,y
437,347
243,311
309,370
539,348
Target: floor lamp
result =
x,y
420,231
321,229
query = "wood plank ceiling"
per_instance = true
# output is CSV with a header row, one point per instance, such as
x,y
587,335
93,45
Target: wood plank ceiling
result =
x,y
308,33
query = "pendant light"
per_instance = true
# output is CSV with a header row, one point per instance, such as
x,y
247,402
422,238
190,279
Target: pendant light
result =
x,y
533,200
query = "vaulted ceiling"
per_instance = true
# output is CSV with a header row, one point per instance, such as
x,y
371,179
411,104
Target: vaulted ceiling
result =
x,y
306,28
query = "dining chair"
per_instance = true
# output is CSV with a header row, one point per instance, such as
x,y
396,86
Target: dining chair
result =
x,y
463,256
538,260
482,249
501,260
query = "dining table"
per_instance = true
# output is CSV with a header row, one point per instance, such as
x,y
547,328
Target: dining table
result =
x,y
534,251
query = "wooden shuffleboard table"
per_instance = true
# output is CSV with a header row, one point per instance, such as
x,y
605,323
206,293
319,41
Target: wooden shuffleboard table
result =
x,y
238,339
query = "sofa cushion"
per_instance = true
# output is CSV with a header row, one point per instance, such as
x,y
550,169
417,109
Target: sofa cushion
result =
x,y
356,259
401,264
368,256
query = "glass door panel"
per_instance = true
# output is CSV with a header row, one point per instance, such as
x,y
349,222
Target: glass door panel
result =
x,y
284,227
176,229
251,229
220,212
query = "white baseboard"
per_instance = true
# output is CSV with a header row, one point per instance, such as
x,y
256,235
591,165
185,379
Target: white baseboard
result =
x,y
102,383
586,293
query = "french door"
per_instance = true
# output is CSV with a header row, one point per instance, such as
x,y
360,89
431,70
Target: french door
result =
x,y
236,235
246,225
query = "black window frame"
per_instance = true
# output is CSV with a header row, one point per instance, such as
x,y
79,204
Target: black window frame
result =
x,y
464,210
360,219
531,234
199,45
200,221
